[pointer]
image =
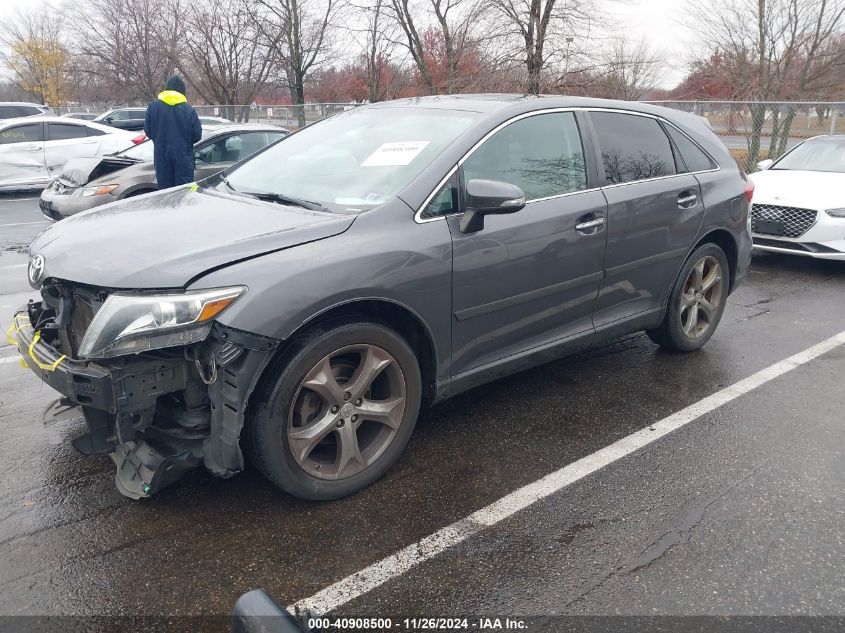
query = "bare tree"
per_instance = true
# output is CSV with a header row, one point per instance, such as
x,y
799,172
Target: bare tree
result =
x,y
780,49
545,30
36,53
127,44
224,55
453,26
377,46
631,69
300,33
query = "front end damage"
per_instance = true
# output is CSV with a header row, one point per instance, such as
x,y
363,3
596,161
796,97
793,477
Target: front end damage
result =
x,y
158,413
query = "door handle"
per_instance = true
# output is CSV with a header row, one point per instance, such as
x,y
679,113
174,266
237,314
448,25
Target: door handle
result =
x,y
687,199
589,224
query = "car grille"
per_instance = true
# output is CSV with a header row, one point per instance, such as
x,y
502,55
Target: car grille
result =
x,y
769,219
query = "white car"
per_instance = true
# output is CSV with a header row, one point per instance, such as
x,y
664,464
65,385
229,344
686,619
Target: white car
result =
x,y
33,150
799,200
213,121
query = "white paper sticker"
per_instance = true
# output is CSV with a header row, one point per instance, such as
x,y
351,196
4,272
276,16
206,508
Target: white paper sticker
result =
x,y
401,153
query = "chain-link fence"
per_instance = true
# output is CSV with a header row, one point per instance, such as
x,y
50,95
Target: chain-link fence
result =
x,y
288,116
755,130
752,130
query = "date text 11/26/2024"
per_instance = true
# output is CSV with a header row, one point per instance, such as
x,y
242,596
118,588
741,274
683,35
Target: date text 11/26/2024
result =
x,y
416,624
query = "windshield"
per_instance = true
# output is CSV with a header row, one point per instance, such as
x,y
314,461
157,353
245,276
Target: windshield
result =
x,y
355,160
824,154
141,151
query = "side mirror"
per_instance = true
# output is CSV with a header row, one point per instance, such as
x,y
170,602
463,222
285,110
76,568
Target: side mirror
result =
x,y
488,197
765,164
109,120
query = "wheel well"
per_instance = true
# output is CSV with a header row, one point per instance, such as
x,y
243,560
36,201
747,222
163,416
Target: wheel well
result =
x,y
726,242
398,318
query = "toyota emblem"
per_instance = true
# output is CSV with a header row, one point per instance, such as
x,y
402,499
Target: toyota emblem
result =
x,y
36,270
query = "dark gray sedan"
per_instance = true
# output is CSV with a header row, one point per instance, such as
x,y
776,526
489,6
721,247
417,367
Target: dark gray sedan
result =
x,y
86,183
302,305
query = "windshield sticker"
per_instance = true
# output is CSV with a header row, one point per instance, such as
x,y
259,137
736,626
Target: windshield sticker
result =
x,y
394,154
369,199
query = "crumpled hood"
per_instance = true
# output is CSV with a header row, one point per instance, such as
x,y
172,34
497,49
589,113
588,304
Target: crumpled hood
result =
x,y
77,172
797,188
166,239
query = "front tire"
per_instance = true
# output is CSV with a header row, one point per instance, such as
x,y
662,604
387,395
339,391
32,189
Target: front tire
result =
x,y
340,413
696,302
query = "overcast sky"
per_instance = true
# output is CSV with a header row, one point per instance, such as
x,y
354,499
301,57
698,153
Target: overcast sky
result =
x,y
659,22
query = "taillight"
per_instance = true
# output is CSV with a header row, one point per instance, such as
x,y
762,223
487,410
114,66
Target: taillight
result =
x,y
749,188
140,138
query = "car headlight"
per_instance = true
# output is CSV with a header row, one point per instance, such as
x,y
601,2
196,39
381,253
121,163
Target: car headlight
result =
x,y
836,213
99,190
134,323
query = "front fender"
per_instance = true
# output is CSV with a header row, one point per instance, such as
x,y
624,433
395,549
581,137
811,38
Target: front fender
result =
x,y
384,256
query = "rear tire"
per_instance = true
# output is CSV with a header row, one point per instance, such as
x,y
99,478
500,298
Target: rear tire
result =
x,y
696,302
340,412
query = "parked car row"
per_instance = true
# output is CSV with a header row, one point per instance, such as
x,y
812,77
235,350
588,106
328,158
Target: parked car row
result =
x,y
86,183
122,118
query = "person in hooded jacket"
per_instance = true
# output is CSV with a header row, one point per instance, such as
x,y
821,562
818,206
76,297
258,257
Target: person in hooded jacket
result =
x,y
173,126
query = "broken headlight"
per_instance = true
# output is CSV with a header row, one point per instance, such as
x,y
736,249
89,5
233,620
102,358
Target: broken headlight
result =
x,y
101,190
134,323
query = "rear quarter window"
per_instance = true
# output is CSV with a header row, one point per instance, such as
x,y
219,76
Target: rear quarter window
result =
x,y
632,147
693,157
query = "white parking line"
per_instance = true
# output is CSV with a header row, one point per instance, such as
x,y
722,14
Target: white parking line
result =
x,y
10,359
404,560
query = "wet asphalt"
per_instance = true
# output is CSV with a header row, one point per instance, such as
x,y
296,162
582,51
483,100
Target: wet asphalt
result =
x,y
738,513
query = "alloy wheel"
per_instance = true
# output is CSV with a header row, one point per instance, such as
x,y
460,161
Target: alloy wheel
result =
x,y
701,297
346,411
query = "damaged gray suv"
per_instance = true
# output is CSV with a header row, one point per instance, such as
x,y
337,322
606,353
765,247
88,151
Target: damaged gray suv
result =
x,y
301,306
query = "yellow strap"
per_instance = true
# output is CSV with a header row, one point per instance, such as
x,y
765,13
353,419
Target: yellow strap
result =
x,y
44,366
14,328
10,333
193,187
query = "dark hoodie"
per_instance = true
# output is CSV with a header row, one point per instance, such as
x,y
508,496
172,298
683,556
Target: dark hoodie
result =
x,y
170,121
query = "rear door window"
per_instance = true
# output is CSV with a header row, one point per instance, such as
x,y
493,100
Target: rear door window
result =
x,y
541,154
28,133
632,147
693,157
65,131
